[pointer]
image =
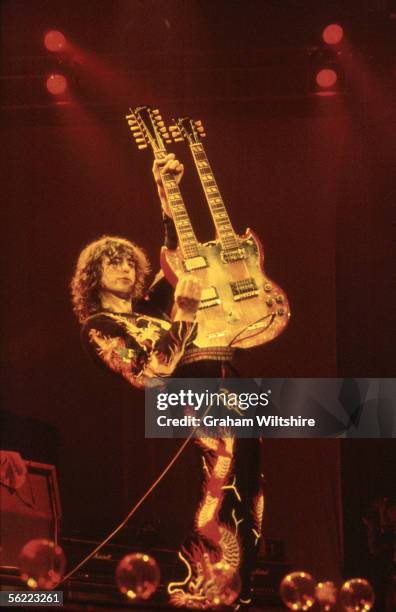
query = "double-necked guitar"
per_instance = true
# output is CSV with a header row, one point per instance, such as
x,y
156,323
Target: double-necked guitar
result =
x,y
240,306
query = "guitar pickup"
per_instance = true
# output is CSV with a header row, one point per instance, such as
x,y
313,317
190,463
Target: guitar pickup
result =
x,y
244,289
195,263
209,297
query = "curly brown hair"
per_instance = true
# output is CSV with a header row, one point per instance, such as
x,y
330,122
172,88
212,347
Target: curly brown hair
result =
x,y
86,280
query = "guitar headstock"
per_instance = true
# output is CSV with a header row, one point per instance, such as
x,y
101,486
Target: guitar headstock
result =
x,y
188,129
148,128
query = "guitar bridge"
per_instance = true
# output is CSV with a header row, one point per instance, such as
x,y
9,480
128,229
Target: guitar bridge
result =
x,y
244,289
209,297
195,263
233,255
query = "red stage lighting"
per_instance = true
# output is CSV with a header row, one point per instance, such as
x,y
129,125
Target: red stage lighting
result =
x,y
332,34
326,78
55,41
56,84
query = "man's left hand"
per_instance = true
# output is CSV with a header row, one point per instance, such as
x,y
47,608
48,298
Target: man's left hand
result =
x,y
162,166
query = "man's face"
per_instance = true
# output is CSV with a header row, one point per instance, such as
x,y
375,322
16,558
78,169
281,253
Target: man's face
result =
x,y
118,274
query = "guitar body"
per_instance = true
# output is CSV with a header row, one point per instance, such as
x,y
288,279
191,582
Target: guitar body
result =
x,y
240,306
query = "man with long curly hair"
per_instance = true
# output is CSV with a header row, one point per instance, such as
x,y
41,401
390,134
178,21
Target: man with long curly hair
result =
x,y
106,288
109,279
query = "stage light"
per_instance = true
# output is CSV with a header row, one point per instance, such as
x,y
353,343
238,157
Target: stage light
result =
x,y
41,564
138,576
297,591
326,595
56,84
357,595
327,77
333,34
55,41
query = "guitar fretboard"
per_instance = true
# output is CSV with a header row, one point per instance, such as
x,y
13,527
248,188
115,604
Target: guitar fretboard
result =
x,y
216,205
187,239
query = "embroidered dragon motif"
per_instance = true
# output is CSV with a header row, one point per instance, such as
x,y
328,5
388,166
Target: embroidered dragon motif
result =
x,y
212,563
158,347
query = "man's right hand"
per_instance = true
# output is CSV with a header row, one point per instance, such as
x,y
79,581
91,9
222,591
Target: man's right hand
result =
x,y
187,297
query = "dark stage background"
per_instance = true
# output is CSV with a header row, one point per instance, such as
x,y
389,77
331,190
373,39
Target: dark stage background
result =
x,y
313,176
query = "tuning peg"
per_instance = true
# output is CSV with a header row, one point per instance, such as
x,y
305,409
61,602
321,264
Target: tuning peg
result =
x,y
131,116
198,123
176,133
142,146
155,111
140,139
160,123
200,129
162,129
168,140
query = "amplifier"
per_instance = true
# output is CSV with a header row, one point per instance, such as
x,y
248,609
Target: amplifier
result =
x,y
29,512
266,581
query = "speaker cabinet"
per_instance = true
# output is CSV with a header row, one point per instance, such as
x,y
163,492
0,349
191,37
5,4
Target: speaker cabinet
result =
x,y
30,512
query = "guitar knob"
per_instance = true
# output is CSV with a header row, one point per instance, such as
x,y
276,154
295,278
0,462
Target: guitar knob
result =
x,y
267,287
269,302
281,311
279,299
